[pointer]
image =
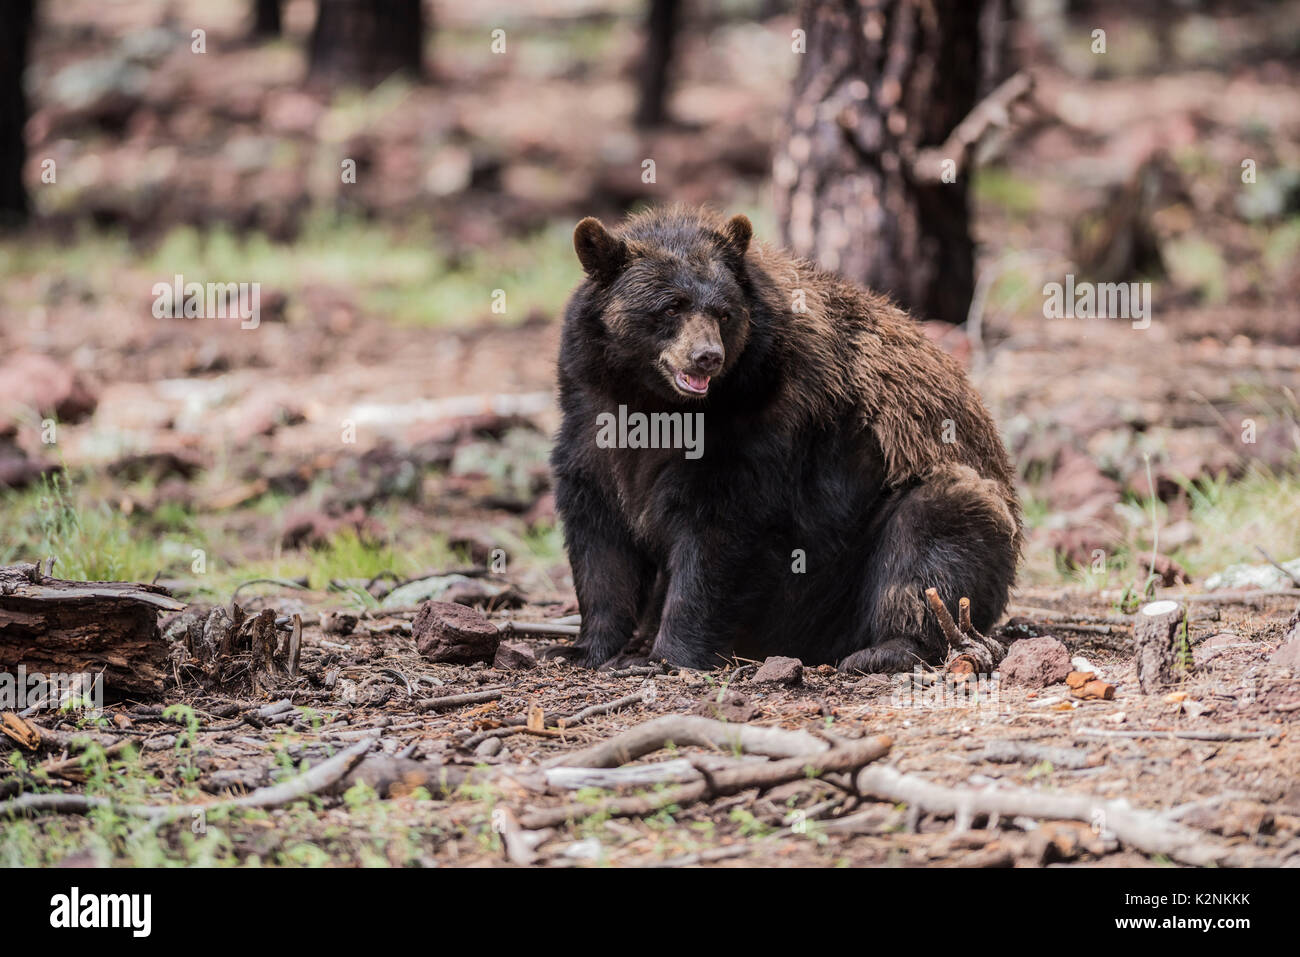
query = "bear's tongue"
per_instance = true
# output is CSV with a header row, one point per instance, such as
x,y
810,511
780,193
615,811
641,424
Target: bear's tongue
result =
x,y
695,383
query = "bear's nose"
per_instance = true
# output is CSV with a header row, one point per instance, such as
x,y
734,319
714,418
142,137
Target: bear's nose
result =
x,y
708,359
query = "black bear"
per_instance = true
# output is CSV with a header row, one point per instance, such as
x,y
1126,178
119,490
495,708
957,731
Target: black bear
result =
x,y
759,457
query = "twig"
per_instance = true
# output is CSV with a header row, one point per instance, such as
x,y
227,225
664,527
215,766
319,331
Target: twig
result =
x,y
949,627
456,700
1184,735
604,708
317,779
509,627
1146,831
1278,565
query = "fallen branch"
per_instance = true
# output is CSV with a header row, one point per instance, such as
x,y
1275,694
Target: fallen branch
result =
x,y
1184,735
685,730
848,756
456,700
319,778
1147,831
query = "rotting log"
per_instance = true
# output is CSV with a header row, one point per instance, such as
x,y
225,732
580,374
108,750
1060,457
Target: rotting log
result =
x,y
51,626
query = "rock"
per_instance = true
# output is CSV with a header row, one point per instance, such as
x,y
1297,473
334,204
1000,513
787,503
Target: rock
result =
x,y
1288,653
45,386
515,656
1216,645
488,748
447,632
780,671
731,706
1035,662
338,622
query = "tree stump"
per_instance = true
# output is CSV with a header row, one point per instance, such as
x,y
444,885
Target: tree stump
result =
x,y
236,651
445,631
1158,634
52,626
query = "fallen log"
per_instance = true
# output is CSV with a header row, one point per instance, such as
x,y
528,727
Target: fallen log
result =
x,y
55,627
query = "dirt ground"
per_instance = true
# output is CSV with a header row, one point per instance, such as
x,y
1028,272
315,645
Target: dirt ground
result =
x,y
337,450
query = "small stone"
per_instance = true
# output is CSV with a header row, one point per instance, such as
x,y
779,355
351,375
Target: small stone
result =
x,y
447,632
488,748
731,706
1288,653
1035,662
781,671
515,656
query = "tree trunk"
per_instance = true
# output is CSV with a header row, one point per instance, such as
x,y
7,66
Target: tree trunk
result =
x,y
660,36
366,41
266,19
880,81
14,37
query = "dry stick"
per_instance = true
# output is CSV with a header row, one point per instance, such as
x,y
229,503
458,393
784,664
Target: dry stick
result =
x,y
322,776
1147,831
950,630
1278,565
963,614
605,708
1184,735
520,726
537,628
848,756
684,730
456,700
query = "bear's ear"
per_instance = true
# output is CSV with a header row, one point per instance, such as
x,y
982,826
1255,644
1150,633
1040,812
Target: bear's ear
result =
x,y
738,232
601,254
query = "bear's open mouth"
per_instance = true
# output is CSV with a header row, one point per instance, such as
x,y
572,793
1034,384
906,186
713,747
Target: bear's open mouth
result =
x,y
691,384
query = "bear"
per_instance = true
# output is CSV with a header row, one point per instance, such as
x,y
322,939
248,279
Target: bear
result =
x,y
759,457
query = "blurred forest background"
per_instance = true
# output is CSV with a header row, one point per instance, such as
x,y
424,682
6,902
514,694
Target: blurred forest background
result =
x,y
402,179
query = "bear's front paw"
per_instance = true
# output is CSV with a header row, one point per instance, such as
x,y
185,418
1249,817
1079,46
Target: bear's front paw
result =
x,y
574,655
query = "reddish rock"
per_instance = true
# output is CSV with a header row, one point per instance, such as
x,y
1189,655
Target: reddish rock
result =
x,y
515,656
780,671
1035,662
46,386
1288,653
730,706
447,632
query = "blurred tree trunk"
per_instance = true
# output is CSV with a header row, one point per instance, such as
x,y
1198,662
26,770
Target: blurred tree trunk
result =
x,y
660,38
266,18
366,41
14,39
880,81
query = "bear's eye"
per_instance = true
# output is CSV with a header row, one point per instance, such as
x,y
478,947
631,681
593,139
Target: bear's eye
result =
x,y
674,307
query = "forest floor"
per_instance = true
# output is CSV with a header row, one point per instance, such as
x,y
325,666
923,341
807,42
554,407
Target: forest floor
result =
x,y
383,426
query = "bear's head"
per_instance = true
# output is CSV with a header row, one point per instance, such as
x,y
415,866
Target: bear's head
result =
x,y
674,311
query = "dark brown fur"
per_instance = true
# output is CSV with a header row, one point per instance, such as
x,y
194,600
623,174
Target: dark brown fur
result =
x,y
824,434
